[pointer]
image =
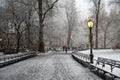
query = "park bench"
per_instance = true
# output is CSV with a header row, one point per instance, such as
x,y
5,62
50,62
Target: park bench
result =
x,y
82,58
6,60
108,67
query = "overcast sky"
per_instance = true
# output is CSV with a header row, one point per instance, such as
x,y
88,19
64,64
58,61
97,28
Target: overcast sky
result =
x,y
83,7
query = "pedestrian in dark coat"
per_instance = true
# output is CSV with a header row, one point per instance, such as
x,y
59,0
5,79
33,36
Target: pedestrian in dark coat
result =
x,y
63,48
66,49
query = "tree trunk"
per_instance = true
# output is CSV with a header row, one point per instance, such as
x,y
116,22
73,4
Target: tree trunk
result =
x,y
28,35
97,18
68,42
8,41
41,40
68,39
105,40
29,41
96,46
18,42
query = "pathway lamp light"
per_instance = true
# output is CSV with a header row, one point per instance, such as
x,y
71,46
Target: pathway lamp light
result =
x,y
90,26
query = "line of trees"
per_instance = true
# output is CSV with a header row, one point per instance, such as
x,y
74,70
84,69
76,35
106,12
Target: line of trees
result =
x,y
107,25
71,23
24,19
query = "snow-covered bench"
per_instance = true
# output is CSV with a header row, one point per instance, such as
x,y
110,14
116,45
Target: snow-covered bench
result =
x,y
5,60
105,67
82,58
109,67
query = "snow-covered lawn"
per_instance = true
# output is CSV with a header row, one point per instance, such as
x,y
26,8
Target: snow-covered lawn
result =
x,y
106,53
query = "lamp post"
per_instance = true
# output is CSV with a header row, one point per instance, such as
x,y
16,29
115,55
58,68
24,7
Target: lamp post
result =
x,y
0,44
90,26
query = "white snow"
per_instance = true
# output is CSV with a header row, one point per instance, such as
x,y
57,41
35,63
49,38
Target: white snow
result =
x,y
47,67
1,53
106,53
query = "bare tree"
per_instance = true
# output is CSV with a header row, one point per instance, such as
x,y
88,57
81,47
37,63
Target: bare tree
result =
x,y
108,27
97,4
104,29
28,22
42,15
17,20
71,19
4,19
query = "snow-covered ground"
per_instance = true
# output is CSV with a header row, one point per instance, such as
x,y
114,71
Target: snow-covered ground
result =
x,y
106,53
1,53
47,67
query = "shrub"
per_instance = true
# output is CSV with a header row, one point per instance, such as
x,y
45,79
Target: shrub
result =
x,y
10,51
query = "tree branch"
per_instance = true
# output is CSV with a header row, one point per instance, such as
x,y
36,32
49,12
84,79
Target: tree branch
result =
x,y
51,7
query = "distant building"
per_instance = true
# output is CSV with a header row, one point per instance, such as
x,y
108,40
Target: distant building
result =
x,y
11,28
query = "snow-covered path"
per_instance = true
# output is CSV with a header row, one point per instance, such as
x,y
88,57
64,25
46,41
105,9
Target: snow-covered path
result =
x,y
47,67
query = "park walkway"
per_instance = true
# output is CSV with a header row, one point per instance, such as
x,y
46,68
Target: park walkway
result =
x,y
47,67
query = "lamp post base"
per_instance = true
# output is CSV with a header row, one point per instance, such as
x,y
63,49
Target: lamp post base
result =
x,y
91,58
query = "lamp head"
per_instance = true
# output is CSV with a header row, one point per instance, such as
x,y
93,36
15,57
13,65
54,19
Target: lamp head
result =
x,y
90,23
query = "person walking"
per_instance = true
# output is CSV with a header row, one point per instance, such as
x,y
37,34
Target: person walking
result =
x,y
63,48
66,49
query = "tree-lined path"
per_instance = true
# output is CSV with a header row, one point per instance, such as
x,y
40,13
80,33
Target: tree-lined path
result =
x,y
47,67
